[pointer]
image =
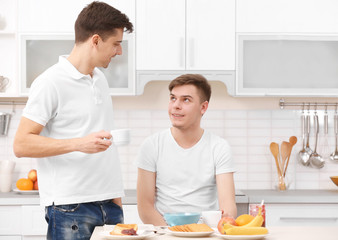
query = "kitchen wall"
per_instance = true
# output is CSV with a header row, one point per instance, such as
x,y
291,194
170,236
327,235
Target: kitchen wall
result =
x,y
249,125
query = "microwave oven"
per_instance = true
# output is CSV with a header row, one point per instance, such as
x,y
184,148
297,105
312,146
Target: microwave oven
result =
x,y
40,51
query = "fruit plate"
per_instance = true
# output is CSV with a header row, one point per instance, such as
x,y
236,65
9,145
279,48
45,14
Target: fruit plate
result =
x,y
26,191
144,231
189,234
241,237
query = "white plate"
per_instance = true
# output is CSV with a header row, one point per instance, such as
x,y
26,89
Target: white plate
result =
x,y
107,235
189,234
26,191
144,231
241,237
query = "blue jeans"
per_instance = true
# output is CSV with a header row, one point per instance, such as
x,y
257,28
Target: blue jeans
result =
x,y
77,221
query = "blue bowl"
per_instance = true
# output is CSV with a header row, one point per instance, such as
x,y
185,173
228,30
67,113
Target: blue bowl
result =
x,y
174,219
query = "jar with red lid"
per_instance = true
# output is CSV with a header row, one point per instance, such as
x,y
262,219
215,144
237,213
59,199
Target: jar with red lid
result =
x,y
254,209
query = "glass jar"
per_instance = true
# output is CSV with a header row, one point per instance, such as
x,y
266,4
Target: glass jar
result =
x,y
254,209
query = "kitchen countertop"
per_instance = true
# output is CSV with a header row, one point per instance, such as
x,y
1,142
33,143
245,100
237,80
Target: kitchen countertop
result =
x,y
293,196
242,196
14,198
275,233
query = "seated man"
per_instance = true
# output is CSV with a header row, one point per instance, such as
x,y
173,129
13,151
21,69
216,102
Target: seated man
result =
x,y
184,168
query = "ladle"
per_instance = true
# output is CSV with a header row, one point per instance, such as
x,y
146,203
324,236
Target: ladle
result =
x,y
304,155
274,148
316,160
334,155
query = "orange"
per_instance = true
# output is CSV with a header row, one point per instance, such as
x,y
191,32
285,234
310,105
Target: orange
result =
x,y
24,184
244,219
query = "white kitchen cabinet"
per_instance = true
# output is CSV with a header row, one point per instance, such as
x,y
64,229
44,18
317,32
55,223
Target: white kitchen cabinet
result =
x,y
288,16
33,221
10,220
160,43
40,16
301,215
45,23
33,238
131,214
287,65
8,45
10,238
185,35
210,35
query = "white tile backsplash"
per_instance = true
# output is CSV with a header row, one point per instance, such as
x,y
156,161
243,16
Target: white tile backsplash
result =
x,y
249,133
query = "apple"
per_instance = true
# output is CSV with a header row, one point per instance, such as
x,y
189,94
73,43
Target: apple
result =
x,y
32,175
225,223
35,185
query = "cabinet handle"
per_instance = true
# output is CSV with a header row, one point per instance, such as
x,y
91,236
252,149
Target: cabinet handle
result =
x,y
191,58
183,53
309,219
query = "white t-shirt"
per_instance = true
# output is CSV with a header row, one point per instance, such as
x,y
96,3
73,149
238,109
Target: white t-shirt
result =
x,y
185,178
71,105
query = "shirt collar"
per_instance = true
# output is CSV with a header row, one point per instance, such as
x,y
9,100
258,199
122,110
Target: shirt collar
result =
x,y
74,73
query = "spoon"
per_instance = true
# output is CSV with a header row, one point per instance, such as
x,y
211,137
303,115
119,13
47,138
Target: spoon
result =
x,y
285,149
316,160
304,155
274,148
334,155
292,141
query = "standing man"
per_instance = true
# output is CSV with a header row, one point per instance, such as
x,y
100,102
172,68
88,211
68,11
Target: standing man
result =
x,y
66,124
185,168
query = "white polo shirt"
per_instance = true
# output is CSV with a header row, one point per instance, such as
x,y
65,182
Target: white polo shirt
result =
x,y
72,105
185,178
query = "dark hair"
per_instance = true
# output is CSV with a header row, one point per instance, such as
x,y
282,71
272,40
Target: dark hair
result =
x,y
200,82
102,19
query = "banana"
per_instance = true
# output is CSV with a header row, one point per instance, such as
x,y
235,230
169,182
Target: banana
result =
x,y
246,231
257,221
253,226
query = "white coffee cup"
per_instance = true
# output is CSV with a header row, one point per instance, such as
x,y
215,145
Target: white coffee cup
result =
x,y
211,218
6,182
120,136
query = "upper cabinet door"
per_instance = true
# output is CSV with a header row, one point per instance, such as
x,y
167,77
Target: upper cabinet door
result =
x,y
210,35
160,41
59,16
289,16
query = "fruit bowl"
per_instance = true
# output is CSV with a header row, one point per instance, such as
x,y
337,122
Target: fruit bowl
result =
x,y
174,219
335,180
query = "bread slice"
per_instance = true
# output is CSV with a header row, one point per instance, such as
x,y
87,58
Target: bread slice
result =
x,y
124,229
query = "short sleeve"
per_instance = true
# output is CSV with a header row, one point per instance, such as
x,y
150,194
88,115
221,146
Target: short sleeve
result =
x,y
223,157
42,102
147,156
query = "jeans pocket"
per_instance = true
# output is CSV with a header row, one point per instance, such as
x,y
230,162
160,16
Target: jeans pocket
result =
x,y
67,207
117,206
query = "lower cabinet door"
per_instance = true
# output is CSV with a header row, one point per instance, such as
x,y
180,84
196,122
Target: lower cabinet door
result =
x,y
301,214
33,238
10,238
10,220
131,214
33,221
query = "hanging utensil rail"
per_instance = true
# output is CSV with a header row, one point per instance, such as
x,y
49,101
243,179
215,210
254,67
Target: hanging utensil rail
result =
x,y
283,104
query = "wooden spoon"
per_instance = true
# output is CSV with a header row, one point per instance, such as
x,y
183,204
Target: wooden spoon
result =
x,y
274,148
285,151
292,141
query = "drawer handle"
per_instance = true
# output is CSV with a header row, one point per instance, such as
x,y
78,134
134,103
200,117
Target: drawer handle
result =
x,y
323,219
